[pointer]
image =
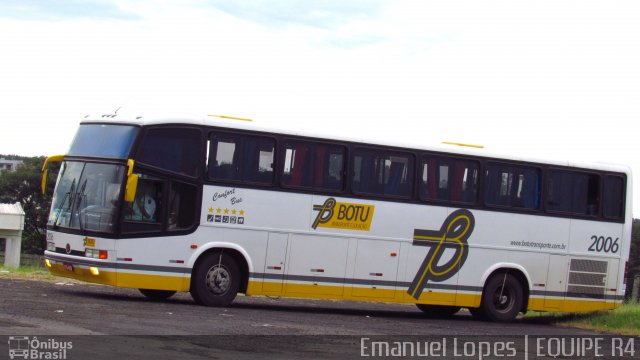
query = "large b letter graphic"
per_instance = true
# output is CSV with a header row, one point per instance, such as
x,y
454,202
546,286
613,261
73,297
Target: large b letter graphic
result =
x,y
453,234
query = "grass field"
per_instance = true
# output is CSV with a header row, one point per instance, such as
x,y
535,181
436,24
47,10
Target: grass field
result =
x,y
31,267
624,320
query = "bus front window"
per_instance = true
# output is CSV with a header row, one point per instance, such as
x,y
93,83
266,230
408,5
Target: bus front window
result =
x,y
86,196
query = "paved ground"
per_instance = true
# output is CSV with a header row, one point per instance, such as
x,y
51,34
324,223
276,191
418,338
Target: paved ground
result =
x,y
252,327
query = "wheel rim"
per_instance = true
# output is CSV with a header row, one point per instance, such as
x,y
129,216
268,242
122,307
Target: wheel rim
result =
x,y
504,298
218,280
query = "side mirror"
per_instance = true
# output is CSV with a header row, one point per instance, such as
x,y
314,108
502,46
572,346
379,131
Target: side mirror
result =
x,y
45,170
132,183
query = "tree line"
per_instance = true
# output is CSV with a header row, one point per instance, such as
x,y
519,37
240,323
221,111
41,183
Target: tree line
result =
x,y
24,184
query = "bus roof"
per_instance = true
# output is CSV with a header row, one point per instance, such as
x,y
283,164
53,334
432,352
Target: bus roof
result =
x,y
241,123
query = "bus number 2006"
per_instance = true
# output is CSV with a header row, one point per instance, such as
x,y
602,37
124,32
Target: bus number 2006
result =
x,y
602,244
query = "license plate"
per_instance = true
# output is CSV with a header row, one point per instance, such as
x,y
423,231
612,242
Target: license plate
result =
x,y
68,267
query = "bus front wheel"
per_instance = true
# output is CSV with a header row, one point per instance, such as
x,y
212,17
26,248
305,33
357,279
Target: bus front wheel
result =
x,y
502,299
216,280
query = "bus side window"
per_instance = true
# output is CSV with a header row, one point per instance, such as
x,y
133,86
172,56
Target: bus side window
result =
x,y
512,186
313,166
449,179
368,172
173,149
144,214
297,170
398,176
182,206
379,173
334,169
223,158
613,197
573,192
258,158
465,181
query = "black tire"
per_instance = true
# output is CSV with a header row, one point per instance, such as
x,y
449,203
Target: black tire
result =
x,y
157,294
216,280
502,299
477,313
438,311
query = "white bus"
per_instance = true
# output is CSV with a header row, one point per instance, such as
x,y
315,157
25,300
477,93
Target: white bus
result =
x,y
217,206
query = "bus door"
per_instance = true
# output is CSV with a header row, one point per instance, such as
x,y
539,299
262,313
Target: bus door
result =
x,y
274,266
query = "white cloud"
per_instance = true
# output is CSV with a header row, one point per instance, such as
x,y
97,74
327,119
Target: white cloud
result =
x,y
62,10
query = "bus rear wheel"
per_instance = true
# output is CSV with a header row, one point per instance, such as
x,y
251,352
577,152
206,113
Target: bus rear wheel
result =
x,y
157,294
216,280
438,311
502,299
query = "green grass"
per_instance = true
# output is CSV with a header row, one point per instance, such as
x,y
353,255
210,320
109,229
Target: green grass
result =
x,y
624,320
31,267
25,272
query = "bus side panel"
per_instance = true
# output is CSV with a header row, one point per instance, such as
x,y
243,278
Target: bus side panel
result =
x,y
438,293
376,269
317,266
274,265
504,240
160,263
419,218
595,249
254,243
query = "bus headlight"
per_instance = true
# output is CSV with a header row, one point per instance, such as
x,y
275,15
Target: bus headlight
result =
x,y
94,271
51,246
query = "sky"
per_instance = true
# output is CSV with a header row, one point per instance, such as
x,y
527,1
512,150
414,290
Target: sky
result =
x,y
553,79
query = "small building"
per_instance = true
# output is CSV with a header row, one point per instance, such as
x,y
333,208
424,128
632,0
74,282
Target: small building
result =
x,y
9,165
11,225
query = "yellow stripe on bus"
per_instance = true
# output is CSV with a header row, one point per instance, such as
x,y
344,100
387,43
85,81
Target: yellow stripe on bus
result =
x,y
155,282
82,274
570,305
129,280
325,292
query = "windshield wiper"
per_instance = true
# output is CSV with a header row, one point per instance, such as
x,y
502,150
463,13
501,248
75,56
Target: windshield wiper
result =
x,y
64,200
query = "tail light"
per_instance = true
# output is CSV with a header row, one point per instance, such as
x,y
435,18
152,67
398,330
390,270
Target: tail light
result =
x,y
96,254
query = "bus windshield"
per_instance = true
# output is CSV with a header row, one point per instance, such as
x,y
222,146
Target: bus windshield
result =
x,y
103,140
86,196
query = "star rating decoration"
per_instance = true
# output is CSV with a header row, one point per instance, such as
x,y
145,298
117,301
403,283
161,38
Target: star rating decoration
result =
x,y
226,211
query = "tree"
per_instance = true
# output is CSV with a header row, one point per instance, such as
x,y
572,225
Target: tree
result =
x,y
24,186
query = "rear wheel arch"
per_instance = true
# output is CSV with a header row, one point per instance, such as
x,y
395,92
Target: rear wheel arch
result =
x,y
515,270
516,287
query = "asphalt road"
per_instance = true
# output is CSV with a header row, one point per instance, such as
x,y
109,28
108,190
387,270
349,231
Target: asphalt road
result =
x,y
250,328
